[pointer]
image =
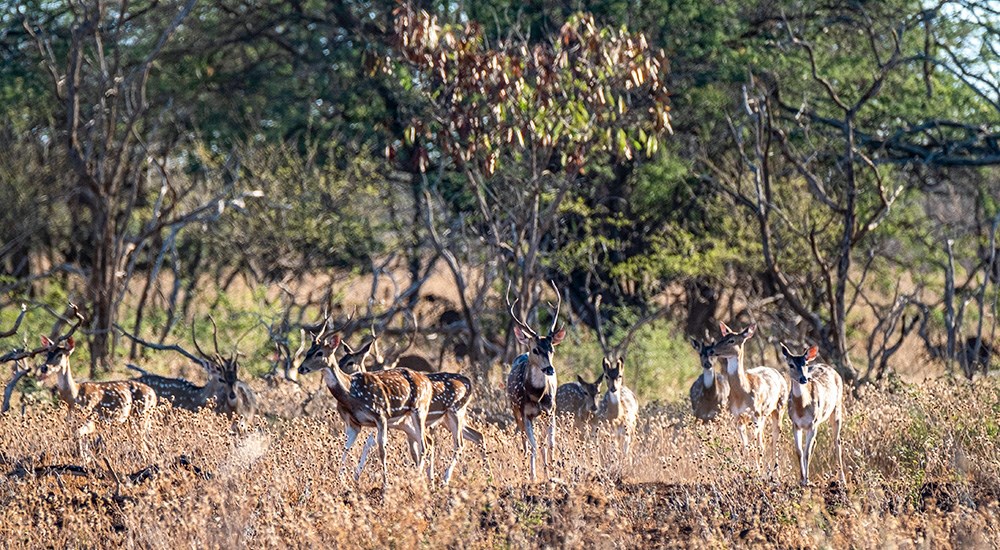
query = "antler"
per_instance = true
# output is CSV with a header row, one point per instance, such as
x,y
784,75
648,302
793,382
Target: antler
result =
x,y
555,317
161,347
522,324
72,329
17,323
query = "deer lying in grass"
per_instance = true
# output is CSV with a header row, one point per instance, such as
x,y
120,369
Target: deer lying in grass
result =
x,y
709,393
755,395
531,382
114,401
817,395
397,398
619,408
224,392
580,399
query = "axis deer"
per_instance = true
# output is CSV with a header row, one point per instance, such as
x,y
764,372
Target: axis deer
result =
x,y
619,408
531,382
231,396
755,395
397,398
817,395
709,393
452,393
580,399
113,401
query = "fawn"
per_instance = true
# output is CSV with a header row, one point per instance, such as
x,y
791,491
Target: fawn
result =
x,y
755,395
619,407
817,395
709,393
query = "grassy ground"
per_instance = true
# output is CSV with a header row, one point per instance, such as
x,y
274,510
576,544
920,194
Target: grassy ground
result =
x,y
923,470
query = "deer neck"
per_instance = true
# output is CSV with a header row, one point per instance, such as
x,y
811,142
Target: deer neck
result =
x,y
739,382
338,381
708,378
66,385
801,393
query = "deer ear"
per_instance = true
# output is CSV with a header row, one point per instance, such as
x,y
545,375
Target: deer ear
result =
x,y
606,363
695,344
785,351
580,379
521,337
750,331
812,353
334,341
45,341
70,344
621,364
724,329
366,348
558,336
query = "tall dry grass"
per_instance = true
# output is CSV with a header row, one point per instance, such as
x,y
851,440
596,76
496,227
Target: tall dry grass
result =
x,y
922,462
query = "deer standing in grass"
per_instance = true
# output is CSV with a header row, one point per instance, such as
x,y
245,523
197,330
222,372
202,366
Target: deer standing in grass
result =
x,y
817,395
709,393
581,400
113,401
531,382
619,408
231,396
452,393
756,395
397,398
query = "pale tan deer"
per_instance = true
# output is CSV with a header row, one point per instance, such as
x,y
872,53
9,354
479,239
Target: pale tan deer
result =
x,y
397,398
452,393
532,383
709,393
113,401
755,395
580,400
619,408
817,395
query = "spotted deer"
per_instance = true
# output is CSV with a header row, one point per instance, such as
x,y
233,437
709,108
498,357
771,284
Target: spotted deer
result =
x,y
755,395
709,393
580,400
817,396
224,392
531,382
619,408
112,401
397,398
452,393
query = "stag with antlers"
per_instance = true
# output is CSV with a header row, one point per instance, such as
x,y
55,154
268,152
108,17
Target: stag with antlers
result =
x,y
531,382
397,398
231,396
113,401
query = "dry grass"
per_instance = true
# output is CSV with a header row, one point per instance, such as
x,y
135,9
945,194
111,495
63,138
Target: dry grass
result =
x,y
923,469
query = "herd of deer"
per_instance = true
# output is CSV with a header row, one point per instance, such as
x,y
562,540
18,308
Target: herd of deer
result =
x,y
388,396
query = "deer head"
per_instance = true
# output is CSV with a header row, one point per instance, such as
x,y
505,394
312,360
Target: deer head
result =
x,y
704,350
541,347
322,353
57,349
613,373
731,343
592,391
800,366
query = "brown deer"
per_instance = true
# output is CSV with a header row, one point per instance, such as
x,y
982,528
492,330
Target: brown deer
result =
x,y
755,395
817,395
452,393
531,382
397,398
580,399
709,393
231,396
113,401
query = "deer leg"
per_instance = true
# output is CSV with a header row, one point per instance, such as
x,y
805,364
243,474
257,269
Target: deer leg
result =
x,y
454,423
352,434
369,443
775,438
837,425
552,441
381,432
810,444
529,431
798,435
421,437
